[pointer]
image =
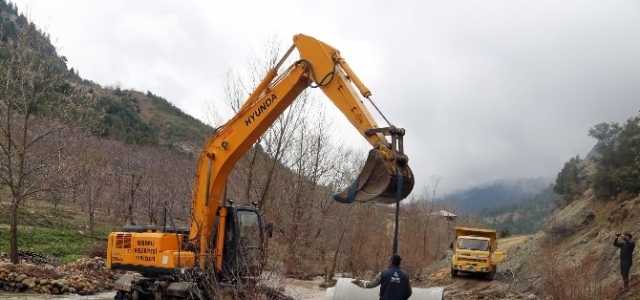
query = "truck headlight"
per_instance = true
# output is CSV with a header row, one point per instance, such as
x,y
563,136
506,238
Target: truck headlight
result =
x,y
483,269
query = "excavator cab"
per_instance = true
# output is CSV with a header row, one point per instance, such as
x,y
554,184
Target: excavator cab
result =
x,y
244,254
243,242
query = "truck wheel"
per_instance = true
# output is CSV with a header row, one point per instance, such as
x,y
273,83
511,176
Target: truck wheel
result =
x,y
454,273
492,275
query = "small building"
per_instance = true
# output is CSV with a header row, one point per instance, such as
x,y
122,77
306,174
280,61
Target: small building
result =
x,y
445,214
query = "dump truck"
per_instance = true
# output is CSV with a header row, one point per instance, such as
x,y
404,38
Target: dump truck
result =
x,y
475,251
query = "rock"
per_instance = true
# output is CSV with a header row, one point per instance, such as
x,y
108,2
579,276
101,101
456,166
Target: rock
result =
x,y
30,283
589,217
84,277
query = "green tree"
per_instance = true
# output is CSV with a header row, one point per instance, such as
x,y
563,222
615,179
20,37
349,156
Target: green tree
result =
x,y
618,158
567,182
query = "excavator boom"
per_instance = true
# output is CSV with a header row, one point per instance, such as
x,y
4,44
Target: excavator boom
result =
x,y
385,178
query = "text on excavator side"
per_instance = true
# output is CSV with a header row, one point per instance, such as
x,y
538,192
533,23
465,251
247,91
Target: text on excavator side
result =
x,y
262,108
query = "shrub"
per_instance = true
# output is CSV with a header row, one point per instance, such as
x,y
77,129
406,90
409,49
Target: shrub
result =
x,y
98,249
581,280
558,229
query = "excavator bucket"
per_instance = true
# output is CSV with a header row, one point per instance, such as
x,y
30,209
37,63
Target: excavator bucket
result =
x,y
382,180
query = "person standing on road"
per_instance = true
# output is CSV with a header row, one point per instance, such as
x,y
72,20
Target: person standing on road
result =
x,y
626,255
394,282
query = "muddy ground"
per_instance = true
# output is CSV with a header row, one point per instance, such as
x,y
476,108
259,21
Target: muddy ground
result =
x,y
462,287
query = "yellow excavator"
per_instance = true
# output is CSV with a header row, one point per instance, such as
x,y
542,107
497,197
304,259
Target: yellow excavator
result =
x,y
227,239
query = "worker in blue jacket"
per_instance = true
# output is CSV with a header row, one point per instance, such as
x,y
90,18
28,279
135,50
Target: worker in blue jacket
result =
x,y
393,281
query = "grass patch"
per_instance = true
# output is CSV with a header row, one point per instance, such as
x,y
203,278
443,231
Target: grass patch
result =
x,y
42,219
61,233
65,244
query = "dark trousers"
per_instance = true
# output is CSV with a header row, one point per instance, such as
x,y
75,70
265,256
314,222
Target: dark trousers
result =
x,y
625,266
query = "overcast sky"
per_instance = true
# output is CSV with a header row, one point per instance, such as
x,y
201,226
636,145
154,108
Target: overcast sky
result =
x,y
484,89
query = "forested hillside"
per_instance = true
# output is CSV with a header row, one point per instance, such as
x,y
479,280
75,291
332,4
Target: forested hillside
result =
x,y
572,257
133,117
523,217
147,119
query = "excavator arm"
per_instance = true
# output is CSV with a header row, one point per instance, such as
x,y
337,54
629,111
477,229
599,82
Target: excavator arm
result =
x,y
386,177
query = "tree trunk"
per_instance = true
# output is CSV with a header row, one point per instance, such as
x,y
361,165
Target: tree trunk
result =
x,y
14,230
132,193
91,226
332,270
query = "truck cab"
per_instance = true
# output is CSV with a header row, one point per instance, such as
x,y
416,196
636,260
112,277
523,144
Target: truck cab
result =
x,y
475,251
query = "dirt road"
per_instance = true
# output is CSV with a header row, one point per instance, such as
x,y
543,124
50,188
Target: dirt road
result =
x,y
304,290
510,242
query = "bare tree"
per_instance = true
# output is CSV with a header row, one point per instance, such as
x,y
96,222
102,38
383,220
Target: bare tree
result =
x,y
134,184
308,214
113,150
36,104
93,174
258,173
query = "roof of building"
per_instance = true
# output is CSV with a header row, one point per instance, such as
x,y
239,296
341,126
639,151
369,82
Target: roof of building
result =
x,y
443,213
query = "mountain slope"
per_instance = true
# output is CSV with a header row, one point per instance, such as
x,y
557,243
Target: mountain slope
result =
x,y
137,118
496,194
129,116
523,217
575,249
